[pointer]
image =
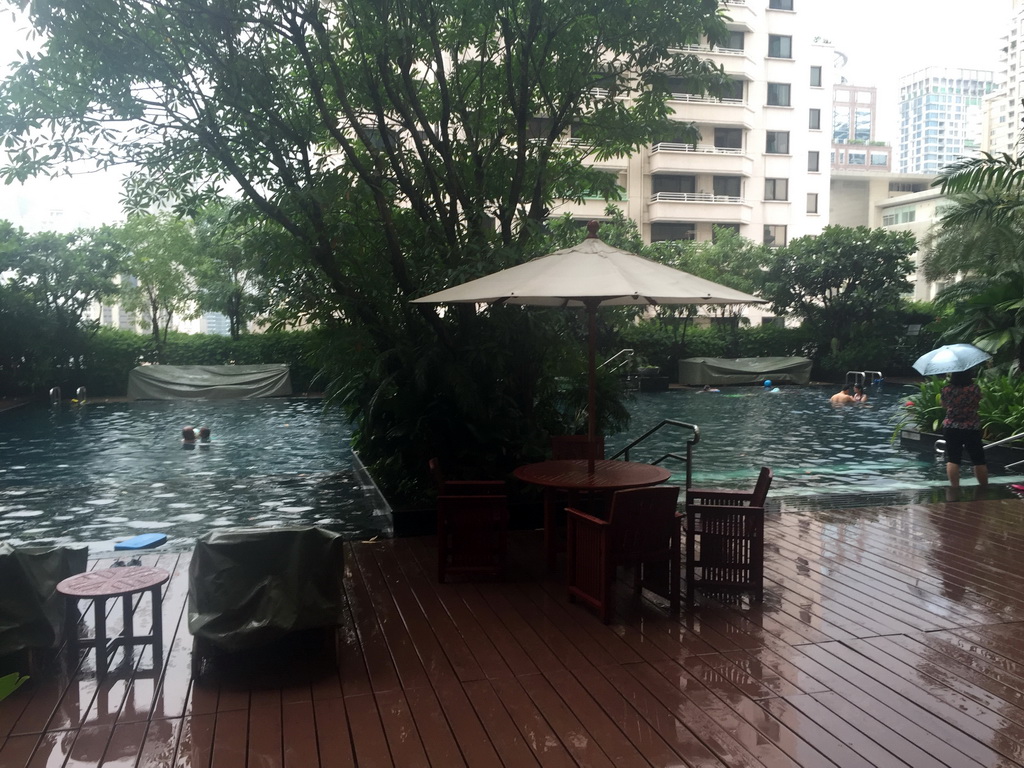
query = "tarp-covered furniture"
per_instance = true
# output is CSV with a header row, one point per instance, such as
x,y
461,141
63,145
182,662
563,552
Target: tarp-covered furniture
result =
x,y
252,587
725,539
211,382
32,615
698,371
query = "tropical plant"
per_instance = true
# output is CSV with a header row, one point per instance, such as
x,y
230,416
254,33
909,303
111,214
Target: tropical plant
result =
x,y
10,683
1001,408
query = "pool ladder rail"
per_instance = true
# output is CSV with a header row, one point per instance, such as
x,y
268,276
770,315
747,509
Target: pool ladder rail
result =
x,y
55,396
862,377
940,447
687,459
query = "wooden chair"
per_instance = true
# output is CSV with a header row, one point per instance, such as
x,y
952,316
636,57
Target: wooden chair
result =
x,y
555,501
471,535
446,487
575,447
642,531
725,539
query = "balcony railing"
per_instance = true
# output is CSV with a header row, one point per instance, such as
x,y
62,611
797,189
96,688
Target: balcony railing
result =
x,y
697,99
707,149
692,197
705,48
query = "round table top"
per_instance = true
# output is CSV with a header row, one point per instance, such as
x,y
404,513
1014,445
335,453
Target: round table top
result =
x,y
112,582
574,474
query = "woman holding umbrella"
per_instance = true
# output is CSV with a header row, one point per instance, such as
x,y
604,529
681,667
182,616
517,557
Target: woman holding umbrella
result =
x,y
962,427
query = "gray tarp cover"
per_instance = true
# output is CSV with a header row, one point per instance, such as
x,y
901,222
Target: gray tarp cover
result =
x,y
215,382
31,611
697,371
248,587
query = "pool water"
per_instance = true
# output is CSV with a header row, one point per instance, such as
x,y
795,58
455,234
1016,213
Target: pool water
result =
x,y
813,447
103,472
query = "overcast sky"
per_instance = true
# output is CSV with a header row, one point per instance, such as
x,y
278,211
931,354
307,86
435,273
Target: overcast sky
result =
x,y
882,39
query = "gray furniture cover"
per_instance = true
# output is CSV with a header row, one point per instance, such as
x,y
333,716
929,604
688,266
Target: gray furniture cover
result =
x,y
213,382
698,371
32,614
249,587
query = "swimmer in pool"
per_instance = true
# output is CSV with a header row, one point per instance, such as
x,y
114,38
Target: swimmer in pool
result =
x,y
709,388
842,397
204,434
188,438
859,395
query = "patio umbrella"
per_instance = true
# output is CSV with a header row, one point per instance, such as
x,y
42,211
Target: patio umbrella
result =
x,y
949,359
590,275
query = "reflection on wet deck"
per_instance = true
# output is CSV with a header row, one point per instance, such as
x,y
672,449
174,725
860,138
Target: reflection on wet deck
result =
x,y
890,635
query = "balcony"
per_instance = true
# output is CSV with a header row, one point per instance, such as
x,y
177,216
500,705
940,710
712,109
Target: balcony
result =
x,y
706,109
735,61
698,207
667,157
738,13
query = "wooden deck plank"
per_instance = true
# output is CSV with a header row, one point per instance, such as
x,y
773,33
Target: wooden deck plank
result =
x,y
888,636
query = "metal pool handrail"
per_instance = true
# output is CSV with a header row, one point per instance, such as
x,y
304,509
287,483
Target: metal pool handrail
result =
x,y
940,446
687,459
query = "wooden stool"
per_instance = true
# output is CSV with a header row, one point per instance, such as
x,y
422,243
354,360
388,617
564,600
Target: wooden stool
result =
x,y
121,582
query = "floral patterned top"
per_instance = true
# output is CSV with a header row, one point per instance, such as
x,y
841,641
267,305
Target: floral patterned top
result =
x,y
961,404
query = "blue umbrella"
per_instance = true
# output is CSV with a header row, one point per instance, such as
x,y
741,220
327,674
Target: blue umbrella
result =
x,y
949,359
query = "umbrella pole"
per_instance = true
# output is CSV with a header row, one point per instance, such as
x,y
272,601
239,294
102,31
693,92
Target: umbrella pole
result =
x,y
591,383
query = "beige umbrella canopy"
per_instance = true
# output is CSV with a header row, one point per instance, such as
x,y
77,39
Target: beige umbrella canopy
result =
x,y
590,275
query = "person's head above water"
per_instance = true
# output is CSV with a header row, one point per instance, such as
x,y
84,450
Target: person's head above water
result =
x,y
188,434
204,433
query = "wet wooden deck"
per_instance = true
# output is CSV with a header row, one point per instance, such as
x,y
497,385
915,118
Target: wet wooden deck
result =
x,y
889,636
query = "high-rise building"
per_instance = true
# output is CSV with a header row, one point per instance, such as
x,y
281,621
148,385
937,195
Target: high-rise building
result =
x,y
941,117
761,166
855,143
1003,113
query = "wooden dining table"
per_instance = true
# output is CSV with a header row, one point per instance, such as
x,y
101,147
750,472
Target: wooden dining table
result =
x,y
574,478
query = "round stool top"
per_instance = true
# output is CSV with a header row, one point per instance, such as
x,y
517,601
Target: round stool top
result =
x,y
112,582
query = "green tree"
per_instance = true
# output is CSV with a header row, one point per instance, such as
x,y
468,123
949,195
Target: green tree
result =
x,y
978,250
224,268
402,147
160,258
845,284
48,284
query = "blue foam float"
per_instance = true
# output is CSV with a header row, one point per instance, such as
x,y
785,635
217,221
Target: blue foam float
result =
x,y
142,541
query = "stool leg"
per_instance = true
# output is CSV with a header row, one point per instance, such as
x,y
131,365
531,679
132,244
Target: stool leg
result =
x,y
100,609
129,625
71,624
158,628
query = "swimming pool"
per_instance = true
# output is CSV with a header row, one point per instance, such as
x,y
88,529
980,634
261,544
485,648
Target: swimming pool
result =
x,y
812,446
102,472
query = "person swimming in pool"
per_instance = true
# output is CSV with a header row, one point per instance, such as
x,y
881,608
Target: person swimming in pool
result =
x,y
188,438
842,397
859,395
709,388
204,434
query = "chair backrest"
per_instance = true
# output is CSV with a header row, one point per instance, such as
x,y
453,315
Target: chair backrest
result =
x,y
760,492
575,447
642,522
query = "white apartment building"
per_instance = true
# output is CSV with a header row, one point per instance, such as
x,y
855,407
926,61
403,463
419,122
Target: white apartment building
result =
x,y
1003,111
941,117
761,167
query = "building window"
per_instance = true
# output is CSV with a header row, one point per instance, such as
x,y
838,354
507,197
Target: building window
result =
x,y
735,41
814,119
775,235
780,46
781,5
776,189
813,162
716,227
729,138
812,202
670,182
726,186
856,158
879,158
816,77
777,143
672,231
735,91
778,94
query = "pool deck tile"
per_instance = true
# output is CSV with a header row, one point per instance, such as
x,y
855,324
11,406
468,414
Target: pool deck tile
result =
x,y
889,636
